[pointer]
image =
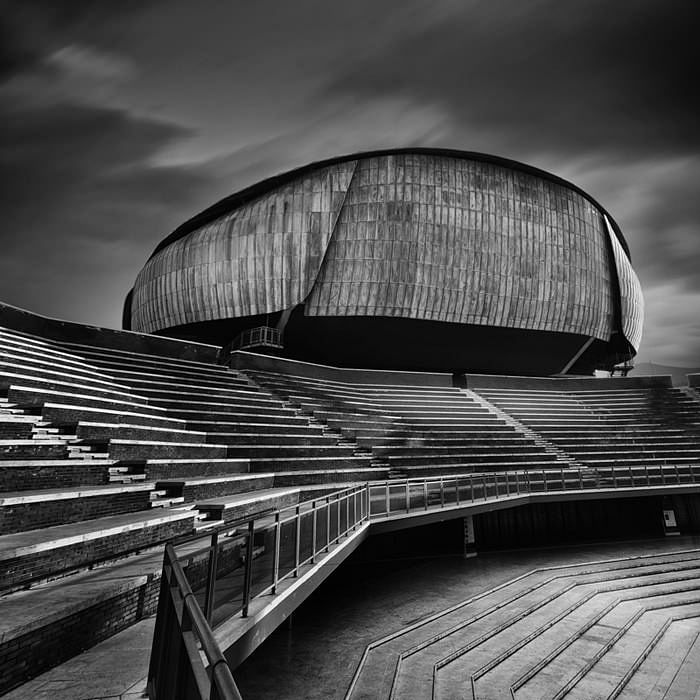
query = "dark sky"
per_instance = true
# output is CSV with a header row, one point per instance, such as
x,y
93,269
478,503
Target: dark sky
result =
x,y
122,118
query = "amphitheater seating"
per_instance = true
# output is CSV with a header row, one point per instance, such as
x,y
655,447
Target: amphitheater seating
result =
x,y
106,453
623,427
589,630
415,431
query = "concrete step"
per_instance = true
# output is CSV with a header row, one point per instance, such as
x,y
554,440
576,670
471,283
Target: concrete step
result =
x,y
260,428
70,414
164,469
201,488
103,432
237,506
29,510
140,450
254,452
31,474
300,477
280,464
32,449
33,555
35,396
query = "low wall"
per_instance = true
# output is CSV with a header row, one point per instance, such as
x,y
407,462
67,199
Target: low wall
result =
x,y
694,380
30,323
487,381
250,360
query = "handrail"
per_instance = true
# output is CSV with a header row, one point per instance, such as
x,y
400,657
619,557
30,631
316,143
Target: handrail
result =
x,y
181,638
264,550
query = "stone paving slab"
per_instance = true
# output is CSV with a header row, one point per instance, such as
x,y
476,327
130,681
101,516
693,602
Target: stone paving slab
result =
x,y
115,669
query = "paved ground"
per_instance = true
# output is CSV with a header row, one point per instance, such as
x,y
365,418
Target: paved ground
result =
x,y
115,669
317,656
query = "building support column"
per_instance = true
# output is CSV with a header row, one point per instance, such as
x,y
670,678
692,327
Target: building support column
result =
x,y
469,540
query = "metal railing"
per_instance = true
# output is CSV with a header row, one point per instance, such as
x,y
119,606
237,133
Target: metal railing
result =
x,y
186,662
249,558
258,337
242,560
400,496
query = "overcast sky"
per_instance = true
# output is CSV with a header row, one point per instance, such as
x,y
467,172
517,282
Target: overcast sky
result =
x,y
122,118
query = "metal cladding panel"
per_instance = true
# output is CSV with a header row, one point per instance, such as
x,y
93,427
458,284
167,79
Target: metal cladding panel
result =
x,y
463,241
260,258
631,298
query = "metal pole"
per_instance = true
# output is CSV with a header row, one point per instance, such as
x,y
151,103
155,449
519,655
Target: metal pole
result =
x,y
408,498
297,537
328,522
211,577
276,556
425,494
442,492
314,530
337,534
247,581
387,504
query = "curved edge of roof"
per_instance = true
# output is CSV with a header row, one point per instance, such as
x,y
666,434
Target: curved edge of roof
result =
x,y
237,199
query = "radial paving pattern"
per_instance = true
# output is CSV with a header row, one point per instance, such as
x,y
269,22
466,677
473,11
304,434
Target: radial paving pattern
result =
x,y
624,628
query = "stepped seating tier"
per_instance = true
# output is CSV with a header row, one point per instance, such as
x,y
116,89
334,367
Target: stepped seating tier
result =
x,y
586,630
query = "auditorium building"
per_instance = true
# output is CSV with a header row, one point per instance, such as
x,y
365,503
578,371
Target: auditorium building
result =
x,y
412,259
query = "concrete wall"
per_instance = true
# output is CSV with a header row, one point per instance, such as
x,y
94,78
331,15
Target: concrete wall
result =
x,y
30,323
487,381
249,360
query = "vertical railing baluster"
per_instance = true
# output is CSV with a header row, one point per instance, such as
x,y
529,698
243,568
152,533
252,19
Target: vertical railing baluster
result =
x,y
425,494
247,581
457,499
442,492
337,532
276,555
328,523
211,576
297,536
408,497
314,530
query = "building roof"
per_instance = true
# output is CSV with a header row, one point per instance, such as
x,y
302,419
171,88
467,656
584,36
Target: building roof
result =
x,y
237,199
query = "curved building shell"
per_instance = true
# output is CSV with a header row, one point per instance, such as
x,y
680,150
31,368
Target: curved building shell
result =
x,y
417,259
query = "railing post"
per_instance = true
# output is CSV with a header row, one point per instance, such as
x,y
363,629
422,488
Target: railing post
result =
x,y
276,555
457,491
328,523
507,485
631,476
347,513
614,476
646,471
563,485
387,501
337,533
442,492
211,577
580,478
354,509
483,483
314,531
678,476
517,482
247,581
471,487
544,479
297,536
408,498
425,494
